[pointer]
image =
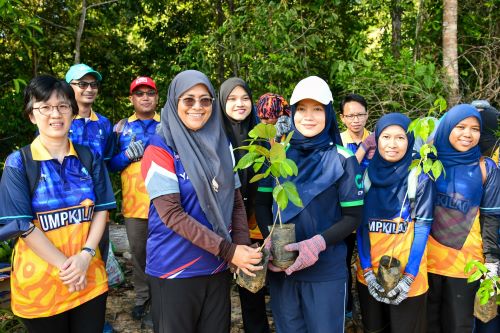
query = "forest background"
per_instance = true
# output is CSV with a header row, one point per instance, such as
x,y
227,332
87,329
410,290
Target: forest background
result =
x,y
392,52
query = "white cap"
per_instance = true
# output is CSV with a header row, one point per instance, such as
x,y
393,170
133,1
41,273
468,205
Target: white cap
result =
x,y
312,87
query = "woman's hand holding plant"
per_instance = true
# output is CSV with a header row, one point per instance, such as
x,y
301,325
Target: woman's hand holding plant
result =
x,y
400,292
309,251
246,258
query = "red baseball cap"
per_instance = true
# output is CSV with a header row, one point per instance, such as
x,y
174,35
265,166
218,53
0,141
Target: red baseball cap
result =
x,y
142,81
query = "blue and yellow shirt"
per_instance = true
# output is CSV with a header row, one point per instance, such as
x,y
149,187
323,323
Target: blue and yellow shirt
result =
x,y
349,143
456,233
135,197
62,207
94,132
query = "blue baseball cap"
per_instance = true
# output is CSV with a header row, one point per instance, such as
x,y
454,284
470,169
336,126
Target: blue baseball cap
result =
x,y
78,71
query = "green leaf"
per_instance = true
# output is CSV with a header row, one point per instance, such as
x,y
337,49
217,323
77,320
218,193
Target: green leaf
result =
x,y
258,163
288,138
427,165
246,161
291,163
262,150
419,170
275,170
413,124
293,195
437,169
423,130
414,164
474,277
285,169
278,153
257,177
280,197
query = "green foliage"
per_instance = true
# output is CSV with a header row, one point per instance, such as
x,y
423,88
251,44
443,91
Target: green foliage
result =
x,y
489,286
277,164
9,323
422,128
5,251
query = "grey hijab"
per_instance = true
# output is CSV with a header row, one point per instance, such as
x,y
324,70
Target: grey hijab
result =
x,y
204,153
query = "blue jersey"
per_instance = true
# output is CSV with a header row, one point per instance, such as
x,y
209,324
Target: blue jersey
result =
x,y
168,254
94,132
62,207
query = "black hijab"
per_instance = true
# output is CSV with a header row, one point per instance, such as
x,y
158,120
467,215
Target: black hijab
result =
x,y
237,131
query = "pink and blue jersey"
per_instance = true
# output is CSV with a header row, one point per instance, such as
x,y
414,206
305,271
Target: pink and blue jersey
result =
x,y
169,255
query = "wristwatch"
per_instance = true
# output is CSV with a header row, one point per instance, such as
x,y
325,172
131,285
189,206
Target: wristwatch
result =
x,y
89,250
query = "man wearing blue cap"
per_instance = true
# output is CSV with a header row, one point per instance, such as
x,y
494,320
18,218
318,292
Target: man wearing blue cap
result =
x,y
89,128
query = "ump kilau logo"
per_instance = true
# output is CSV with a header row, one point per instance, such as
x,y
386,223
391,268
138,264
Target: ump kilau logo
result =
x,y
387,226
56,219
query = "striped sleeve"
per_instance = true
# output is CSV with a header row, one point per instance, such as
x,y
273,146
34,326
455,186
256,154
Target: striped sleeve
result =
x,y
158,171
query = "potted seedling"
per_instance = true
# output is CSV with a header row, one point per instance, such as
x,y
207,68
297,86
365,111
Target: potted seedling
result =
x,y
271,163
389,272
488,295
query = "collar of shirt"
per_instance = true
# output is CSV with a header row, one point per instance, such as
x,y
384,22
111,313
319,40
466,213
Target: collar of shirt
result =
x,y
93,116
40,153
346,137
134,117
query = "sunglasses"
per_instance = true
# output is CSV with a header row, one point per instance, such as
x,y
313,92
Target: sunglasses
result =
x,y
84,84
150,93
191,101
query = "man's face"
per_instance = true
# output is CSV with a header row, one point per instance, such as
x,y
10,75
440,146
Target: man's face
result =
x,y
86,89
144,99
354,117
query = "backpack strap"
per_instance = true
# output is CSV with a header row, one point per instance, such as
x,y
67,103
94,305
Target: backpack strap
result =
x,y
412,191
85,155
32,168
482,166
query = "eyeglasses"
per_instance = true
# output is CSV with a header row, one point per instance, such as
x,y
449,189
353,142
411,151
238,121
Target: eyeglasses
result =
x,y
84,84
191,101
352,116
139,93
46,110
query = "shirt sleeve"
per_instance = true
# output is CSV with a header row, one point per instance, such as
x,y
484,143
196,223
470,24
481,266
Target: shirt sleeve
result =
x,y
490,202
105,198
158,171
424,216
119,161
109,147
350,184
15,209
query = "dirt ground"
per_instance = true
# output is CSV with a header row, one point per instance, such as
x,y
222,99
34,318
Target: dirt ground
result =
x,y
121,302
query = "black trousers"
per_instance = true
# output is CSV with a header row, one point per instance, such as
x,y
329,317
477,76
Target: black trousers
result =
x,y
85,318
350,242
253,311
450,304
407,317
192,305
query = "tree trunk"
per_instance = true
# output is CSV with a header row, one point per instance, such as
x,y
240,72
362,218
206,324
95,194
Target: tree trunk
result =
x,y
418,26
450,50
396,12
79,32
220,60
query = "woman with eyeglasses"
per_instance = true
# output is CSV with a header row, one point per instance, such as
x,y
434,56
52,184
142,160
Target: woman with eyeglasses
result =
x,y
467,212
58,280
239,118
197,220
